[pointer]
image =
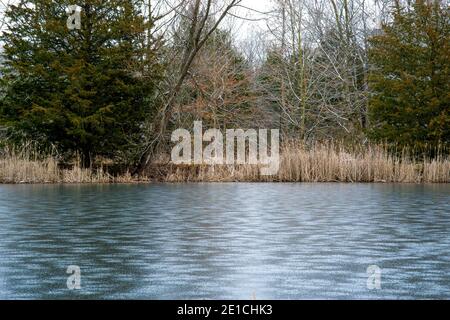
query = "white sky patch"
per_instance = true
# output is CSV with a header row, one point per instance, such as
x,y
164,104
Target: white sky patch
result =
x,y
253,17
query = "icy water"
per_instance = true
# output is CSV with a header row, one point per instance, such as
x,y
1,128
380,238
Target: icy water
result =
x,y
225,241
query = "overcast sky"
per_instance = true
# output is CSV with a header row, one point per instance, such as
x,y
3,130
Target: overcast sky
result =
x,y
241,28
259,5
245,27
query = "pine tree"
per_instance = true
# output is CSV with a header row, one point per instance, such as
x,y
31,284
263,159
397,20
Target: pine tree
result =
x,y
410,76
87,90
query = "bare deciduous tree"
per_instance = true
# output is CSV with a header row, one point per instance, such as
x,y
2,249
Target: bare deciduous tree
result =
x,y
323,65
199,14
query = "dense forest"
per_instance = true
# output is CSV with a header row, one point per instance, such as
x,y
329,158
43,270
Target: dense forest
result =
x,y
336,73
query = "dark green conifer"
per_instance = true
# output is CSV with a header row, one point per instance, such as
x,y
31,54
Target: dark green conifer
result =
x,y
410,78
86,90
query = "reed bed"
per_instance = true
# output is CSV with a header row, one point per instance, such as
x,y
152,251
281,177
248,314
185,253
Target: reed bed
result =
x,y
326,163
27,167
299,163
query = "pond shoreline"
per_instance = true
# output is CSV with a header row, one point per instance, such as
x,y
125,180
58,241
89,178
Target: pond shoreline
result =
x,y
298,163
214,182
194,174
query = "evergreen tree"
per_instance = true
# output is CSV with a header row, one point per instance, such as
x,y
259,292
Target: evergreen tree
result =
x,y
410,76
85,90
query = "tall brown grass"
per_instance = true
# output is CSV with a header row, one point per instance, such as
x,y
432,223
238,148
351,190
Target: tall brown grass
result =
x,y
299,163
26,166
327,163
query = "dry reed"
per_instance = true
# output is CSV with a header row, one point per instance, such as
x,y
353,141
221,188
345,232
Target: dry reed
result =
x,y
299,163
27,167
326,163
